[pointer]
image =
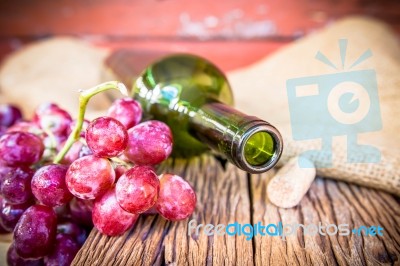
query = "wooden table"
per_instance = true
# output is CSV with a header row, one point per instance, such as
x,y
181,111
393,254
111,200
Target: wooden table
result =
x,y
230,195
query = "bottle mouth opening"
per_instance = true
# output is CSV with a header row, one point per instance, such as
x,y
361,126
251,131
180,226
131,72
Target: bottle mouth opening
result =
x,y
260,148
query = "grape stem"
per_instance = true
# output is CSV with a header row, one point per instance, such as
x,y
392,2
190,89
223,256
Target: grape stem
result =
x,y
117,160
84,98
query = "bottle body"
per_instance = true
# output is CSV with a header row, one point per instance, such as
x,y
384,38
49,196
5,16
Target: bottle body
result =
x,y
174,89
194,98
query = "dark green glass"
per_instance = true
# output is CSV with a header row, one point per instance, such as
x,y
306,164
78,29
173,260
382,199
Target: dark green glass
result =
x,y
193,97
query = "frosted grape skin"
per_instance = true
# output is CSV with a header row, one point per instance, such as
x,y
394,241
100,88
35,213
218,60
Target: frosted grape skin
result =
x,y
177,199
20,148
49,187
106,137
149,143
35,232
90,177
16,185
127,111
108,216
137,189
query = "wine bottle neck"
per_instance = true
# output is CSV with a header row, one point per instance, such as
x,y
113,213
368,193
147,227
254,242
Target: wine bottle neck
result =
x,y
247,141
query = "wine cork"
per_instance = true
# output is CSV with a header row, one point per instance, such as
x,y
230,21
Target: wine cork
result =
x,y
291,183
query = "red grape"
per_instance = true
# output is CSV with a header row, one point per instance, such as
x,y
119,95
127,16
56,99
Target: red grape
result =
x,y
85,151
176,200
123,158
51,143
20,148
51,117
48,185
137,189
119,171
62,212
78,150
24,126
151,211
43,108
13,259
81,211
106,137
63,252
73,153
35,232
109,218
3,130
127,111
16,185
9,114
4,172
10,214
74,230
149,143
90,177
2,229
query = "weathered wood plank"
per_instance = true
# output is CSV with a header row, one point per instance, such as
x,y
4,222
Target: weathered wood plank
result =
x,y
223,197
329,202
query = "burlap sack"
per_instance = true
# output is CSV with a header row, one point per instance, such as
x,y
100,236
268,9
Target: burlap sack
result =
x,y
53,70
261,89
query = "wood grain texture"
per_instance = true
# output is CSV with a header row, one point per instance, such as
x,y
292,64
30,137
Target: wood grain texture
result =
x,y
231,195
329,202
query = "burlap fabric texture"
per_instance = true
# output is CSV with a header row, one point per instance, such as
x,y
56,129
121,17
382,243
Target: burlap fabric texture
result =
x,y
262,89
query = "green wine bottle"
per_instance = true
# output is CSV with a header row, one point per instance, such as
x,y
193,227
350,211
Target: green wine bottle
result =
x,y
194,98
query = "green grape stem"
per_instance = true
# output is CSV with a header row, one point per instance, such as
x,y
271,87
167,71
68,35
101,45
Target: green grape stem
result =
x,y
84,98
118,161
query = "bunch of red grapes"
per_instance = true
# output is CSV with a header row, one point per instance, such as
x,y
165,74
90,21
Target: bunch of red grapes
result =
x,y
106,179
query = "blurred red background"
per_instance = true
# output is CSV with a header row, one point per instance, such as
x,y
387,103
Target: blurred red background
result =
x,y
230,33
